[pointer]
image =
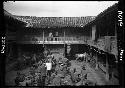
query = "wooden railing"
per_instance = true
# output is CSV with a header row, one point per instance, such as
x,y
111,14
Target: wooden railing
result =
x,y
56,40
61,39
100,44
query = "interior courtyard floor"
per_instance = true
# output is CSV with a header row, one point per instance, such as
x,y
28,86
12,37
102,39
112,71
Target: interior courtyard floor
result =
x,y
96,76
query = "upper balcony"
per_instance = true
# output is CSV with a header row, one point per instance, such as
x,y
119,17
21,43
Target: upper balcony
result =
x,y
102,44
55,40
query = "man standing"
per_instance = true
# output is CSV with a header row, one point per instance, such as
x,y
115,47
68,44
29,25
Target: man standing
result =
x,y
49,66
50,36
56,35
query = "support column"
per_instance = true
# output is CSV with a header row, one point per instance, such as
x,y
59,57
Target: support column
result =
x,y
107,68
107,49
93,32
64,43
43,38
96,61
116,54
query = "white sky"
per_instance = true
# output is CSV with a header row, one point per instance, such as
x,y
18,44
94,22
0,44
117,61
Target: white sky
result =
x,y
57,8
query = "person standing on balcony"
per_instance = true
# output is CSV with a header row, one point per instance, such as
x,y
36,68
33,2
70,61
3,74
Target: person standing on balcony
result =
x,y
56,35
50,36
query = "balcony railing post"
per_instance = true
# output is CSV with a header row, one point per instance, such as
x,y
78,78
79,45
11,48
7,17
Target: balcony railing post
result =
x,y
53,38
64,43
43,38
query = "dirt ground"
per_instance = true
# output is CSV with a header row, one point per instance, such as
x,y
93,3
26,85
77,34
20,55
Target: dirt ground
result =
x,y
95,76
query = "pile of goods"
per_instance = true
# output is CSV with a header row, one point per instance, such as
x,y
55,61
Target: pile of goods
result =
x,y
64,72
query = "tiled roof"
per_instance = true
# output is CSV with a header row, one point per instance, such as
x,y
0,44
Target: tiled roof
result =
x,y
46,22
109,10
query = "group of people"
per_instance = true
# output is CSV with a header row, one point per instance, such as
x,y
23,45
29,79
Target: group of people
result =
x,y
50,38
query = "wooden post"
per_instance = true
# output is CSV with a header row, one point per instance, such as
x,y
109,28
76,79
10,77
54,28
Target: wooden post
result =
x,y
107,44
43,38
107,68
96,62
116,43
64,43
94,32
